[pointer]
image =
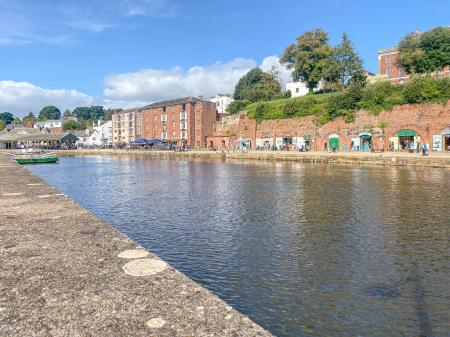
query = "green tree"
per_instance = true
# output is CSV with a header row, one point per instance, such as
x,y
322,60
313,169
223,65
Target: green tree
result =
x,y
421,53
108,114
309,58
67,113
237,106
2,124
29,118
49,112
257,85
72,125
435,44
345,66
82,113
6,117
411,56
17,121
97,112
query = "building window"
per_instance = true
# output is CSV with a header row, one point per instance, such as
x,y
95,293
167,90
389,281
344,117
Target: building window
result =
x,y
297,90
389,72
174,133
388,59
401,72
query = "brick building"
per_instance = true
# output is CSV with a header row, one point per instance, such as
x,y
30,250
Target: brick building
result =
x,y
389,69
186,120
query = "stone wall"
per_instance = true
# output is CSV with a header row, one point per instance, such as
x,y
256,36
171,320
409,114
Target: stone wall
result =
x,y
427,120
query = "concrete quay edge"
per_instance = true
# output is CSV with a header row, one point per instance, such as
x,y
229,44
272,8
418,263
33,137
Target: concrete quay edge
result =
x,y
65,272
344,158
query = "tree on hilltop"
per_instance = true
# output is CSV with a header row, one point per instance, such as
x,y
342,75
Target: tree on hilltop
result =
x,y
257,85
422,53
6,117
309,58
49,112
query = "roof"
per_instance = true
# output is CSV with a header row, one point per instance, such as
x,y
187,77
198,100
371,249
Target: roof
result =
x,y
388,50
37,137
49,121
177,101
127,111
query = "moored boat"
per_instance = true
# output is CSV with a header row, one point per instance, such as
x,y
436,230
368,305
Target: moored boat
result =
x,y
36,158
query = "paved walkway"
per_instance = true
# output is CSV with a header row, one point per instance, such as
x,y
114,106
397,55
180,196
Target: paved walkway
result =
x,y
65,272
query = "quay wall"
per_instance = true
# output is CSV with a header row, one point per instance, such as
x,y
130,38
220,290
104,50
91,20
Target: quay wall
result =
x,y
426,119
436,160
65,272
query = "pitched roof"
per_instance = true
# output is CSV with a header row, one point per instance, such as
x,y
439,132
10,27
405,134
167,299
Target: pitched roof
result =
x,y
36,137
176,101
126,111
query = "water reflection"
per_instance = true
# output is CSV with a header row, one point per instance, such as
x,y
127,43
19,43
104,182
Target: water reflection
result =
x,y
305,250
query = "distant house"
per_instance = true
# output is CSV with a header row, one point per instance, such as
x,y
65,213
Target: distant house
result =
x,y
222,101
297,89
49,124
100,135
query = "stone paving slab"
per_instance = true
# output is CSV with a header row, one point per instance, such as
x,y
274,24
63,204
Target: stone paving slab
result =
x,y
61,274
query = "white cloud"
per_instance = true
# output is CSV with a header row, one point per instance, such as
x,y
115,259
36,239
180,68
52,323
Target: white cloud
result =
x,y
21,97
156,84
273,63
137,88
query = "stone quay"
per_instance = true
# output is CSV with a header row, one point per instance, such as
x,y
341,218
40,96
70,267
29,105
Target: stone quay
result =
x,y
65,272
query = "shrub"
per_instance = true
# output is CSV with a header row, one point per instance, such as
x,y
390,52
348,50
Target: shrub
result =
x,y
380,96
421,89
237,106
72,125
344,104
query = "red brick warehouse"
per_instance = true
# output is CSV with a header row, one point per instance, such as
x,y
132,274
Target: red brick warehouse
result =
x,y
186,120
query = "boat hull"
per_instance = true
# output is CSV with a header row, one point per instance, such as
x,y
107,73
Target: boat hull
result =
x,y
45,160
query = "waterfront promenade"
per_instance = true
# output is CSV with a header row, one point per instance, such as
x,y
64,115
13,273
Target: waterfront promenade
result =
x,y
438,160
66,272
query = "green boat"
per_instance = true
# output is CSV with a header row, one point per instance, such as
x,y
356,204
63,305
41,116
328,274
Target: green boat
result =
x,y
36,158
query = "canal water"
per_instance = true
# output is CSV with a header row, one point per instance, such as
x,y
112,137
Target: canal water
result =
x,y
303,249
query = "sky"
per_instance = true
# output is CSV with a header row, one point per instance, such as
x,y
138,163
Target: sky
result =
x,y
123,53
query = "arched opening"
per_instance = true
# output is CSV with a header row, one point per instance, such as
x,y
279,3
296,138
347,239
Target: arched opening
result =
x,y
333,142
404,140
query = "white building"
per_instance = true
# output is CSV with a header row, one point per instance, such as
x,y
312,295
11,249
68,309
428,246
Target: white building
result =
x,y
297,89
48,124
222,102
101,134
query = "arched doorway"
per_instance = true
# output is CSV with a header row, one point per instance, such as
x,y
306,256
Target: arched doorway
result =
x,y
403,140
333,142
365,141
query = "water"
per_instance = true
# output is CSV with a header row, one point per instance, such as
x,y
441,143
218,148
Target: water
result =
x,y
304,250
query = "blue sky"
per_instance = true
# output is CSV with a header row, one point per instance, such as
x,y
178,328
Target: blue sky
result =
x,y
126,52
